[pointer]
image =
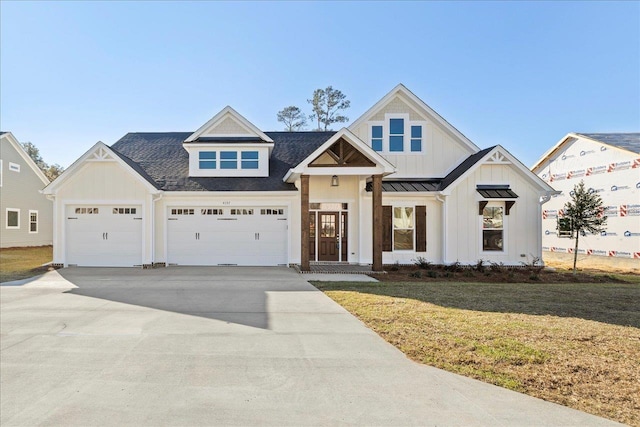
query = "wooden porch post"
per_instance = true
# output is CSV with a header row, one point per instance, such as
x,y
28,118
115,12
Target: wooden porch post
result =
x,y
304,223
377,222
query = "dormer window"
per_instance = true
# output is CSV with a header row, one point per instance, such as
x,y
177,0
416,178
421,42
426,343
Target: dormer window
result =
x,y
249,160
207,159
228,160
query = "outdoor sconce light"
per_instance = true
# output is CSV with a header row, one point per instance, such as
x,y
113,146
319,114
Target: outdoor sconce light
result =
x,y
334,181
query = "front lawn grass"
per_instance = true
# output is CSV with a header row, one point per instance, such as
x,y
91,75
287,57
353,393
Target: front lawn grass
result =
x,y
576,344
21,263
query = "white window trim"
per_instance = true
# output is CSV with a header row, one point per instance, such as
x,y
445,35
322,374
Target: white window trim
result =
x,y
14,167
37,222
499,204
6,217
406,143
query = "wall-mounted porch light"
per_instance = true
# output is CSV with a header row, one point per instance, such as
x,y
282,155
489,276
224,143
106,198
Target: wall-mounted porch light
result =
x,y
334,181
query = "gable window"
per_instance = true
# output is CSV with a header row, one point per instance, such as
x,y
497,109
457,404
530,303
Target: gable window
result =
x,y
249,160
228,160
376,138
207,159
403,228
33,222
13,218
14,167
416,138
493,227
396,135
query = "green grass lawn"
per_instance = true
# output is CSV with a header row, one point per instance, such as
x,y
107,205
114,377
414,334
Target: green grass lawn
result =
x,y
21,263
577,344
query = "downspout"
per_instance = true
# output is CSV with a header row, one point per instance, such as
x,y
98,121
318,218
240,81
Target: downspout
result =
x,y
154,199
55,241
443,199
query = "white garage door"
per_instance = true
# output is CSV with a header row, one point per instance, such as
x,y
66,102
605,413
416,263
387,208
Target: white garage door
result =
x,y
227,236
104,235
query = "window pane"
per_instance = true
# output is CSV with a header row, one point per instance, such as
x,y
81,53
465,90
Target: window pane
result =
x,y
376,144
204,155
249,155
228,164
492,217
12,218
207,164
396,143
416,145
492,240
403,239
402,217
249,164
376,132
228,155
416,131
396,126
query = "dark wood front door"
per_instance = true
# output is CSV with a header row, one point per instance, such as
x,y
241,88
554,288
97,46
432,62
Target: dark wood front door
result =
x,y
328,236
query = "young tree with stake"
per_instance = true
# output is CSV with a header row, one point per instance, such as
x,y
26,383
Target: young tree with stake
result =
x,y
585,215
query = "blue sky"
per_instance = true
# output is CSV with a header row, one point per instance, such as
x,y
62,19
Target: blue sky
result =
x,y
519,74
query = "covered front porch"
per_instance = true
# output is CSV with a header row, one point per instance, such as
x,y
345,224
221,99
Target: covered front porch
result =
x,y
334,223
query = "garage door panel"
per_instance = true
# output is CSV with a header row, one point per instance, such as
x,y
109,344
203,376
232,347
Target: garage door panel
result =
x,y
103,238
244,239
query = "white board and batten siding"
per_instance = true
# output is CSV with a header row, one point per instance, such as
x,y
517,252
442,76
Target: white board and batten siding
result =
x,y
440,149
80,239
614,174
464,224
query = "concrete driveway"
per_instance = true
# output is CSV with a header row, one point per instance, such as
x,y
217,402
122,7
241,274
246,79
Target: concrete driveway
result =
x,y
222,346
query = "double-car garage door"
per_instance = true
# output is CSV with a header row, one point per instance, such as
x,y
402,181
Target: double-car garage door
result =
x,y
227,236
111,235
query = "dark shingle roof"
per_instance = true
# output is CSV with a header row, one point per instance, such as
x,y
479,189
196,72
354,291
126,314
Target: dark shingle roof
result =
x,y
161,157
463,167
626,141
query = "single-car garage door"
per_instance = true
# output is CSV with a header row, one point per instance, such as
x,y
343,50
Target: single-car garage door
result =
x,y
227,236
104,235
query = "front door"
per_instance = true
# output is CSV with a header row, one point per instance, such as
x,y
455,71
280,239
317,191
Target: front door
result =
x,y
328,237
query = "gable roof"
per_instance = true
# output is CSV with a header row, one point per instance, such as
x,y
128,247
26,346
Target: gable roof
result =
x,y
101,152
237,117
401,89
8,136
626,141
162,157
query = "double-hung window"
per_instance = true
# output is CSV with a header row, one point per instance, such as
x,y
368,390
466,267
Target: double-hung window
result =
x,y
403,227
493,227
396,135
416,138
228,160
33,222
376,138
249,160
207,159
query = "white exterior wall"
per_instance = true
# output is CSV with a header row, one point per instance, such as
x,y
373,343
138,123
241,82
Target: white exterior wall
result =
x,y
441,152
464,225
96,183
615,175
